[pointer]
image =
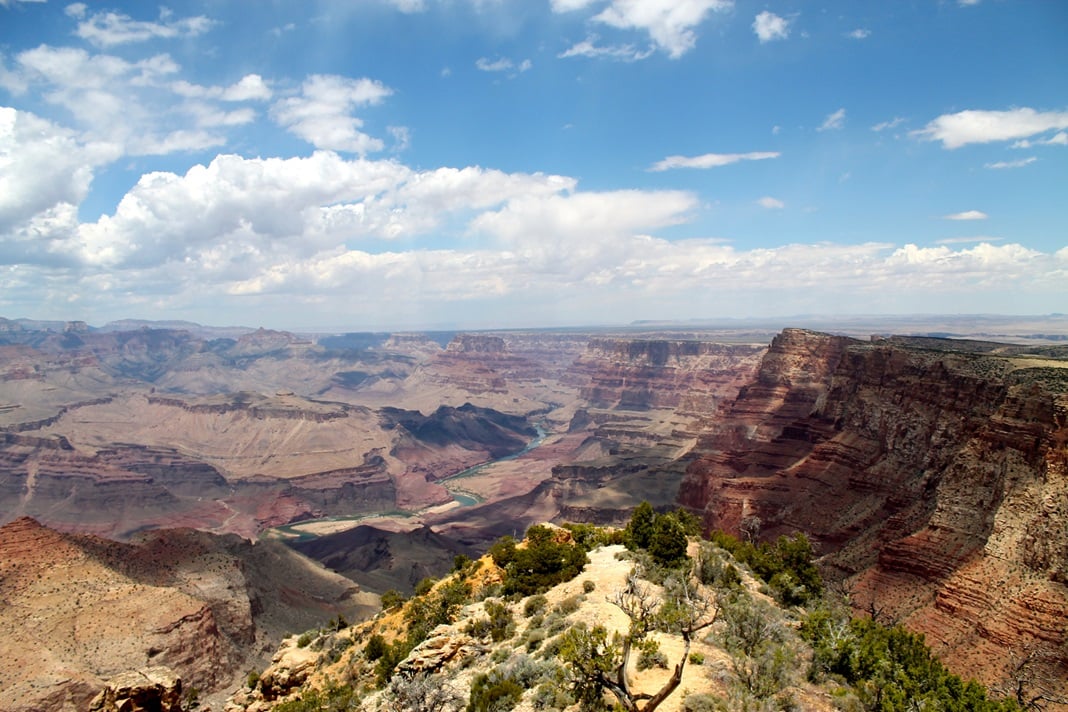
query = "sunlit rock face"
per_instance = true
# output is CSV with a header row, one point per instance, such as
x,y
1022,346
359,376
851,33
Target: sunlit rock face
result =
x,y
79,610
931,472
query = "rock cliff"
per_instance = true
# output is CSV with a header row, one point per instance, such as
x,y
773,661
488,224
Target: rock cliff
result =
x,y
932,474
690,376
78,610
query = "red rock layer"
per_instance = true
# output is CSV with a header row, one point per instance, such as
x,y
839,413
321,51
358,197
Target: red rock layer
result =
x,y
690,376
933,479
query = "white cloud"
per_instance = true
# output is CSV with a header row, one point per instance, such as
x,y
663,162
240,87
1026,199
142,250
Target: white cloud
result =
x,y
409,6
1012,164
11,3
503,64
967,3
42,167
237,215
570,5
136,106
1058,139
588,48
107,29
834,121
859,34
710,160
771,203
967,215
250,87
768,26
966,240
322,113
891,124
972,126
670,23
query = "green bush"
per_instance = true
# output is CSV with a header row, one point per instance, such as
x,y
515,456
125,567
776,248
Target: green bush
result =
x,y
539,565
304,639
567,606
890,668
494,693
498,625
334,697
391,599
787,566
588,586
535,604
376,647
425,586
702,702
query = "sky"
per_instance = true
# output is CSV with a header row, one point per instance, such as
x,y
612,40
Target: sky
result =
x,y
405,164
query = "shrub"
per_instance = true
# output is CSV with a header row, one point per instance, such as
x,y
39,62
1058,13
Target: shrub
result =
x,y
253,679
425,586
697,658
652,657
702,702
567,606
391,599
535,604
639,531
304,639
498,625
494,693
376,647
588,586
540,565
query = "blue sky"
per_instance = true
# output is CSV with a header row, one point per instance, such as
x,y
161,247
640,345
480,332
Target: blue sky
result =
x,y
508,163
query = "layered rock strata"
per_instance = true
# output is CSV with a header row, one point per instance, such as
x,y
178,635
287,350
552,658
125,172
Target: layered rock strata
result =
x,y
79,610
932,475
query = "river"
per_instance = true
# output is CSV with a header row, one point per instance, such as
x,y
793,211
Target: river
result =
x,y
293,532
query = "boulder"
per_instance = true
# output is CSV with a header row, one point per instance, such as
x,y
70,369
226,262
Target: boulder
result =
x,y
154,689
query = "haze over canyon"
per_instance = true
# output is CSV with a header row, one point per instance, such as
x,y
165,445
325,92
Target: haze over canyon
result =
x,y
180,495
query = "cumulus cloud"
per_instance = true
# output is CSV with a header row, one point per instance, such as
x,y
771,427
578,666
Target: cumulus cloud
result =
x,y
967,215
107,29
768,26
322,113
137,106
770,203
834,121
973,126
42,167
250,87
710,160
670,23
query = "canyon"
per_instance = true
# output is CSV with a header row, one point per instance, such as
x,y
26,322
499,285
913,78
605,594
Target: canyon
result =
x,y
929,472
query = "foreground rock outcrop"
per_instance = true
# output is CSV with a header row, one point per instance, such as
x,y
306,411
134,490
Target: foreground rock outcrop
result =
x,y
78,610
932,473
154,689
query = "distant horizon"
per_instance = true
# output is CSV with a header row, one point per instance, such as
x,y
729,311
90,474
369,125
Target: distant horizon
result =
x,y
845,321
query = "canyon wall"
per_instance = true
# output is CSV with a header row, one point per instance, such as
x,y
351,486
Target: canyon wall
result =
x,y
931,473
78,610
